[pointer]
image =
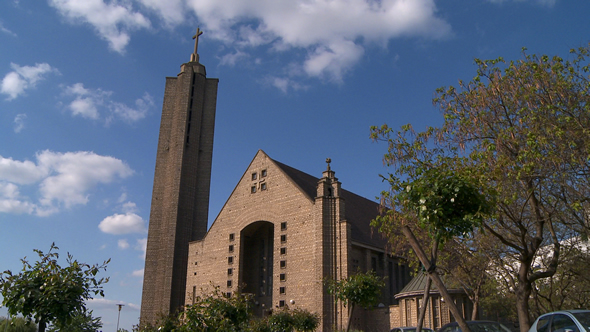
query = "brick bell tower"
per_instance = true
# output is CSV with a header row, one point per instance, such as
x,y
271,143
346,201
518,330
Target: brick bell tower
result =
x,y
180,198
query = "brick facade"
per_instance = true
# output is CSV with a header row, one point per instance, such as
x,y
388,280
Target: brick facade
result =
x,y
311,235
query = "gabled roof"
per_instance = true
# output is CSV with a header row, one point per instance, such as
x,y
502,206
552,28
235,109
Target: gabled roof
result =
x,y
359,210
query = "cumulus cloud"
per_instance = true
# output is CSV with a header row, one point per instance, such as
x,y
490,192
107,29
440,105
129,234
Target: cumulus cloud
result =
x,y
93,103
112,21
63,180
333,32
22,78
123,244
11,200
19,122
118,224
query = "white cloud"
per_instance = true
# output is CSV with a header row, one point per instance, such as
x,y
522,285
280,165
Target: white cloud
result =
x,y
123,244
333,32
546,3
138,273
11,200
122,224
171,11
141,245
63,179
19,122
22,78
230,59
21,172
142,106
102,303
112,21
6,31
129,207
88,103
75,173
284,83
333,60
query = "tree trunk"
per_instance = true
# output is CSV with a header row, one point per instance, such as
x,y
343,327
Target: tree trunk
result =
x,y
349,317
523,292
475,308
424,305
433,259
42,325
436,279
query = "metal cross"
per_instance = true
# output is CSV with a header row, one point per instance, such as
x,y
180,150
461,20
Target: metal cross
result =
x,y
196,38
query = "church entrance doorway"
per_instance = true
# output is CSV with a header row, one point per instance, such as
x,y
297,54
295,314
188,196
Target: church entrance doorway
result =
x,y
256,263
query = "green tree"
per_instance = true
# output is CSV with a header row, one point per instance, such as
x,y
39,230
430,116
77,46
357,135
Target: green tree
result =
x,y
427,194
217,312
569,287
520,131
362,289
48,292
79,322
17,324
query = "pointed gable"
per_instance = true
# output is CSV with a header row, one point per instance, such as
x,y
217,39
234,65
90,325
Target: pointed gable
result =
x,y
359,210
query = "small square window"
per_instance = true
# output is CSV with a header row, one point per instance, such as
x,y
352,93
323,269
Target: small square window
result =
x,y
254,176
284,238
283,276
263,186
263,173
195,273
253,189
195,263
231,248
282,290
283,251
228,295
231,237
230,271
281,303
230,260
283,264
229,283
284,226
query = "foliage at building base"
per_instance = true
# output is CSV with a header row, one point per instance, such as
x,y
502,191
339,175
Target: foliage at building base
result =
x,y
218,312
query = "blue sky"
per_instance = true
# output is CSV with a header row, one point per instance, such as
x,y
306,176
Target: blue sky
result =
x,y
82,83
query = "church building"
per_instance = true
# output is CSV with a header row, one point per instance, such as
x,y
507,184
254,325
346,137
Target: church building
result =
x,y
279,236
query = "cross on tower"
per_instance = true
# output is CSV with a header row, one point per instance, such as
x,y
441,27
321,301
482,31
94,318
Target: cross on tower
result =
x,y
195,56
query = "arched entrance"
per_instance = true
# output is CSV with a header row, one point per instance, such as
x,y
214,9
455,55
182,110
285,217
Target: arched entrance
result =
x,y
256,262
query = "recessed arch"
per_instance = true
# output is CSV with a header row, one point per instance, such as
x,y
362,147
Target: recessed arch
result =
x,y
256,264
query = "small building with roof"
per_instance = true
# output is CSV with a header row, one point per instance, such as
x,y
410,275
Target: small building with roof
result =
x,y
410,298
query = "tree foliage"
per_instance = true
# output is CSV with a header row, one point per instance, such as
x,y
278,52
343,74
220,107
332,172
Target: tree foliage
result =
x,y
80,322
48,292
215,311
362,289
17,324
520,131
